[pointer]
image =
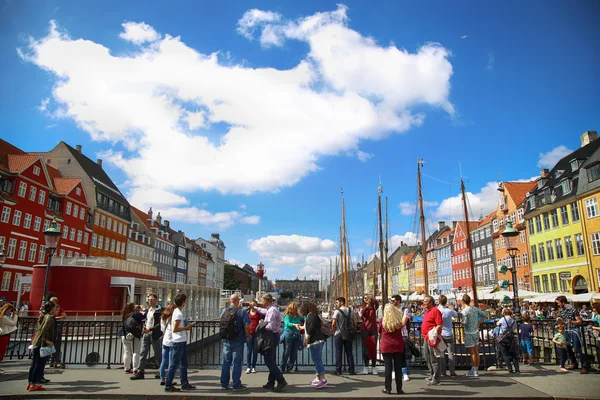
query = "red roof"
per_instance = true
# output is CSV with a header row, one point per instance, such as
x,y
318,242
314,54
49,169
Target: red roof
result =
x,y
18,162
472,225
518,190
144,217
488,218
6,149
64,186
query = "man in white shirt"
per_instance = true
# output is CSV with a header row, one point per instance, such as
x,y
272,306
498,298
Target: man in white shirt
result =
x,y
152,335
341,318
179,357
447,334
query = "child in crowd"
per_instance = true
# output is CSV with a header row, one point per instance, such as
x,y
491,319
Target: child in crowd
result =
x,y
561,346
526,332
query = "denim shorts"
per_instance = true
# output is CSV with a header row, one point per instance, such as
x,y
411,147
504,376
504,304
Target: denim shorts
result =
x,y
527,346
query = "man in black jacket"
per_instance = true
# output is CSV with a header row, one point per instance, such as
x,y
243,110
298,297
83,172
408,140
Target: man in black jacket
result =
x,y
152,336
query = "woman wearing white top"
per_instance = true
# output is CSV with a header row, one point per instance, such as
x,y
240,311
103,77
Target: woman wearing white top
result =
x,y
8,324
166,327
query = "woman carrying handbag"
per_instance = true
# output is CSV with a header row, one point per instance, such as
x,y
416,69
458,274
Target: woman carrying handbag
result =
x,y
42,346
8,324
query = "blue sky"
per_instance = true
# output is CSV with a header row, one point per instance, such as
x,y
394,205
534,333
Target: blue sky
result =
x,y
253,119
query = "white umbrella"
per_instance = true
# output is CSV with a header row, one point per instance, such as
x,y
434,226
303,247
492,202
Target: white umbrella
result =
x,y
523,294
583,297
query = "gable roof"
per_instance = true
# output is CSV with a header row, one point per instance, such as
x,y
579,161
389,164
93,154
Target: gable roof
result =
x,y
19,162
6,149
487,219
64,186
518,190
97,174
463,226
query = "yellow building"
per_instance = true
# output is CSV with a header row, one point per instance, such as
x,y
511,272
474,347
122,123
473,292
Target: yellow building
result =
x,y
558,256
419,273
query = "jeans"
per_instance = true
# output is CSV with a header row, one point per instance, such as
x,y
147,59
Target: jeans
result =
x,y
575,348
408,358
270,359
147,343
316,355
164,364
233,353
449,340
179,357
347,346
433,363
369,347
562,354
290,353
393,361
510,359
251,354
36,371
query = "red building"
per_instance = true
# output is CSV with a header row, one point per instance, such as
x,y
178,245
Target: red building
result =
x,y
461,264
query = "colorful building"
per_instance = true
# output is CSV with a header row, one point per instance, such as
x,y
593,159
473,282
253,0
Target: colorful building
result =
x,y
484,259
461,264
559,260
443,255
419,277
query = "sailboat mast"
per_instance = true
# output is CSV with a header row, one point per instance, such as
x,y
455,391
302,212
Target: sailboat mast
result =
x,y
363,271
387,249
420,163
469,244
381,259
330,282
345,248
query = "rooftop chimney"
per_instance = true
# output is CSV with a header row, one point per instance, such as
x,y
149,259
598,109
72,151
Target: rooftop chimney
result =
x,y
588,136
167,223
150,212
99,162
441,225
544,172
78,148
158,218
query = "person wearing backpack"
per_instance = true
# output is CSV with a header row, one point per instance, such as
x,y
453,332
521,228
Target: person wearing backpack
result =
x,y
509,343
235,330
344,328
152,335
132,338
314,341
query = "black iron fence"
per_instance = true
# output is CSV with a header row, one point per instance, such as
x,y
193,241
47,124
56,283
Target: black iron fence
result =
x,y
99,343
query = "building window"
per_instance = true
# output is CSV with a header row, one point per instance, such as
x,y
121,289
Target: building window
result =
x,y
6,280
96,219
565,215
518,260
550,250
37,224
42,254
574,212
531,227
591,207
27,221
17,281
536,283
534,258
65,232
46,224
545,283
563,285
107,244
118,247
546,221
593,172
86,237
12,247
22,250
522,236
17,218
497,244
103,222
542,252
82,213
494,225
109,224
559,249
521,215
22,189
68,210
69,253
538,223
75,210
94,238
42,197
554,215
32,251
5,215
36,170
553,283
100,242
79,234
62,253
525,259
32,193
78,191
579,244
569,246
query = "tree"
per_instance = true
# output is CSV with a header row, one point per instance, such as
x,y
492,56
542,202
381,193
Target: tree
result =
x,y
229,280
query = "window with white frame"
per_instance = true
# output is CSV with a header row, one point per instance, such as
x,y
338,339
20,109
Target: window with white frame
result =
x,y
118,247
579,244
42,197
591,207
522,236
96,219
525,259
72,234
22,250
5,215
495,225
107,244
69,206
17,218
112,245
32,252
86,237
17,281
32,193
518,260
27,221
109,224
65,232
2,243
69,253
36,170
22,189
103,222
75,210
78,191
46,224
100,242
94,239
82,213
62,253
12,248
42,254
79,234
596,243
550,250
521,215
6,280
37,224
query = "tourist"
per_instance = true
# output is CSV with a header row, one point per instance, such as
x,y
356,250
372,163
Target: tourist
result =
x,y
509,343
8,324
584,313
560,340
343,326
292,322
526,333
472,317
166,328
406,319
270,333
314,341
572,320
447,335
368,333
55,360
152,336
596,330
179,356
43,337
233,348
432,320
24,310
132,343
251,353
391,346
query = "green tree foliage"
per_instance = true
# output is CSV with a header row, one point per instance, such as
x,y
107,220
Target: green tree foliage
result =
x,y
229,281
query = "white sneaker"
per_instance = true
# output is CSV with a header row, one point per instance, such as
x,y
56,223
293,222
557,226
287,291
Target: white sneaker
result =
x,y
248,370
253,370
406,378
393,375
374,371
366,371
472,373
476,372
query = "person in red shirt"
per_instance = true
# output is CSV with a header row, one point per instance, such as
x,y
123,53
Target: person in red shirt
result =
x,y
431,320
392,346
251,354
368,332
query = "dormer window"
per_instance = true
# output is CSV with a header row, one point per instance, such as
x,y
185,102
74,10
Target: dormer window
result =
x,y
574,165
593,172
558,173
566,186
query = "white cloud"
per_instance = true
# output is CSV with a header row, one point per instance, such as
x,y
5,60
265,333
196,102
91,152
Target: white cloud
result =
x,y
43,107
143,198
491,62
139,33
408,208
272,273
549,159
479,203
292,250
346,89
409,238
253,19
362,156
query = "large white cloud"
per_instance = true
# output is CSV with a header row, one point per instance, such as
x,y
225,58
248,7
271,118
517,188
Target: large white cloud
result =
x,y
292,250
549,159
163,102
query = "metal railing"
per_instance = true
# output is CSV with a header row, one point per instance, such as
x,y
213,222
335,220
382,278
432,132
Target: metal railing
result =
x,y
99,343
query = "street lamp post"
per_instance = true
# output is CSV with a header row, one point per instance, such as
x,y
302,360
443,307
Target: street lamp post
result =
x,y
52,236
510,233
261,274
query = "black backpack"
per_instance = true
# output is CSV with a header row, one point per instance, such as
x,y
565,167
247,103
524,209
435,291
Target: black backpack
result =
x,y
350,327
133,326
228,324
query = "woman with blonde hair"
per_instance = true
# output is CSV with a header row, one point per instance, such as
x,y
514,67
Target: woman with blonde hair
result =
x,y
392,346
8,324
292,341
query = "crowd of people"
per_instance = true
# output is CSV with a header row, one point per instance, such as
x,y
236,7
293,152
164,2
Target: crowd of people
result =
x,y
260,328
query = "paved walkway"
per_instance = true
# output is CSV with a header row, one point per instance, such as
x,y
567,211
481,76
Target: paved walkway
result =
x,y
100,383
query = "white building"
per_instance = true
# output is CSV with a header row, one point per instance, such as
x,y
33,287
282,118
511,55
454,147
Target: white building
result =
x,y
216,248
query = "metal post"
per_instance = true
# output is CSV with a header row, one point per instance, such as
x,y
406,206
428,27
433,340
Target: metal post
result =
x,y
50,253
513,270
